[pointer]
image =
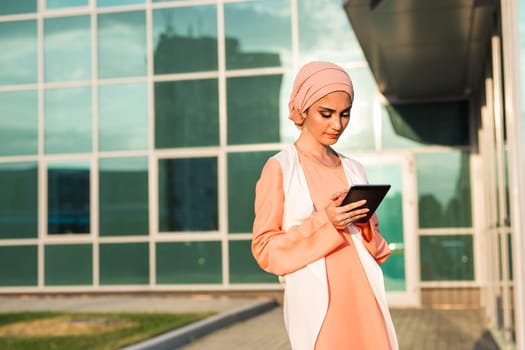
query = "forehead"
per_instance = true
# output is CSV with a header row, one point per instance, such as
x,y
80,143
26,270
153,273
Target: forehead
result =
x,y
334,100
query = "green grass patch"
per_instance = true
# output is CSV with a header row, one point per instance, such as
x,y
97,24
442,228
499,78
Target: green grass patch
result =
x,y
94,331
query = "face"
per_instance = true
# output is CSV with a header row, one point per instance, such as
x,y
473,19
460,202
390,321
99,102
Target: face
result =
x,y
328,117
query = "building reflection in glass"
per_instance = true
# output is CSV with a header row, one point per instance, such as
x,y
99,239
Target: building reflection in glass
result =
x,y
18,200
123,196
186,113
188,195
68,197
185,39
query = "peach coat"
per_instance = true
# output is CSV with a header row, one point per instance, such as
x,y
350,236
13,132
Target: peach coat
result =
x,y
306,291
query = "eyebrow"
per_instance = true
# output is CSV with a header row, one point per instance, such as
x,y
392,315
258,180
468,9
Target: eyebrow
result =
x,y
333,110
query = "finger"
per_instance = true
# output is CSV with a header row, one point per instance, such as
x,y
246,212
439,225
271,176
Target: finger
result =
x,y
359,211
337,198
354,216
354,205
338,194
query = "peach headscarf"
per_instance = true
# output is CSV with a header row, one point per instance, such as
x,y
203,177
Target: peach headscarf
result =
x,y
314,81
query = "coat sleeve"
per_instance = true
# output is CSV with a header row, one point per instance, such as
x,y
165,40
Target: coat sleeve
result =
x,y
276,250
373,241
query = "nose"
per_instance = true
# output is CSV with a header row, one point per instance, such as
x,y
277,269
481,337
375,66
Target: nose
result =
x,y
336,124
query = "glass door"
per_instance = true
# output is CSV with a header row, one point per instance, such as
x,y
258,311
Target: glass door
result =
x,y
397,222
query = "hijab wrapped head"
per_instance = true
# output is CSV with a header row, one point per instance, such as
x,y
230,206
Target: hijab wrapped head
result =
x,y
314,81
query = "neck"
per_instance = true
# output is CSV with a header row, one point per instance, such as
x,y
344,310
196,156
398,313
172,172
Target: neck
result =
x,y
313,148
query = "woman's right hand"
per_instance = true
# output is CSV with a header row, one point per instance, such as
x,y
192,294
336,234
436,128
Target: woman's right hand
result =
x,y
342,216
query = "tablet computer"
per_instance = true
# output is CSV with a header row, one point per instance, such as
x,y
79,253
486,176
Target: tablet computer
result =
x,y
373,193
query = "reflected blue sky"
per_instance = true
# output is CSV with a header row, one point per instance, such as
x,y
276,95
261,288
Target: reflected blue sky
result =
x,y
122,44
322,19
438,175
105,3
123,117
19,131
80,165
56,4
18,53
67,48
262,27
68,120
17,6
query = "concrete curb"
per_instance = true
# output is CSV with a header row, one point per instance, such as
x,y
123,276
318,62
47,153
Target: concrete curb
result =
x,y
182,336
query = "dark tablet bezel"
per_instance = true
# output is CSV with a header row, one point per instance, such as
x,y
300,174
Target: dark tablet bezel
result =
x,y
373,193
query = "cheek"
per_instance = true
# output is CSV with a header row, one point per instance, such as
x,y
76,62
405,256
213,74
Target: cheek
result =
x,y
344,122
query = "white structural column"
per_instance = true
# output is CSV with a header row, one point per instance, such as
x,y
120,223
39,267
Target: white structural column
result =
x,y
500,185
509,20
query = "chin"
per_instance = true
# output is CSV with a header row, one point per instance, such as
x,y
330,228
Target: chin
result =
x,y
332,141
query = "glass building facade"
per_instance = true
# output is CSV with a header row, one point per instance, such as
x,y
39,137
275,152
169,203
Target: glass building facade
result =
x,y
133,133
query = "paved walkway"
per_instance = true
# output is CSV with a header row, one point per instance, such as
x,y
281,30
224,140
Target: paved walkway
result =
x,y
417,329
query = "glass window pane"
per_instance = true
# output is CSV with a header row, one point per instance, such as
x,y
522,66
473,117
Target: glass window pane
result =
x,y
188,197
18,266
359,134
58,4
68,264
19,123
123,117
18,56
122,44
443,183
68,198
253,109
123,191
185,39
189,262
446,258
187,113
316,19
409,122
124,263
390,215
258,34
244,268
105,3
390,133
243,172
67,48
68,120
13,7
18,200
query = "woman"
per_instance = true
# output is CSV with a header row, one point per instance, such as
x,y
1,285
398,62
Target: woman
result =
x,y
334,293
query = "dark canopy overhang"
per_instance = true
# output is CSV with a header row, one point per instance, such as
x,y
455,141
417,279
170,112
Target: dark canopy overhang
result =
x,y
424,50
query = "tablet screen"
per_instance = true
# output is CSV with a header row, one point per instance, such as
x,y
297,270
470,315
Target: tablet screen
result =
x,y
373,193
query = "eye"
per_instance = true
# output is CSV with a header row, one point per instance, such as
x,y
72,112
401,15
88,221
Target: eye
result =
x,y
326,114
